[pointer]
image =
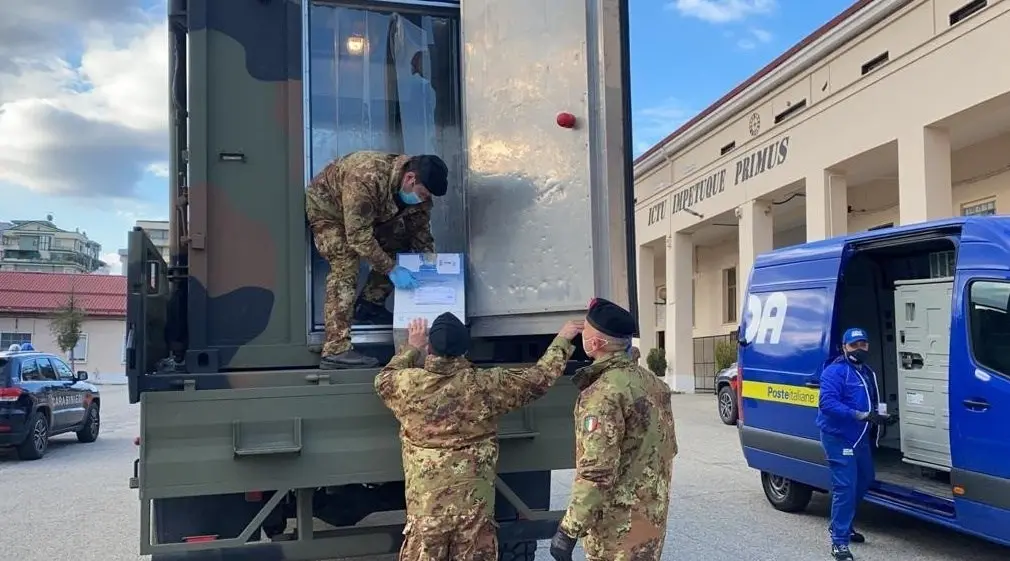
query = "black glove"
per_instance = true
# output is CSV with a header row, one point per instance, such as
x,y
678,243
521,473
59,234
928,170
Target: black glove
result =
x,y
891,419
562,546
877,418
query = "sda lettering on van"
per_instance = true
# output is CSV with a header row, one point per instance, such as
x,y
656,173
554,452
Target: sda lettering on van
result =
x,y
765,318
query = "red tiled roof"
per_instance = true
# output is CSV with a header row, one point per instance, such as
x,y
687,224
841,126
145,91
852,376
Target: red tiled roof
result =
x,y
782,59
42,293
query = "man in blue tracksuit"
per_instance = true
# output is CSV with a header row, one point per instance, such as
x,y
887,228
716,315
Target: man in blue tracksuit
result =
x,y
848,418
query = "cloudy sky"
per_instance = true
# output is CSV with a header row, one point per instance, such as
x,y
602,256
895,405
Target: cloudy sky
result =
x,y
83,95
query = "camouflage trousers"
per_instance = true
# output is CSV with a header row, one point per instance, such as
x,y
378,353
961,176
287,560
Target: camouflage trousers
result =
x,y
450,538
342,281
634,540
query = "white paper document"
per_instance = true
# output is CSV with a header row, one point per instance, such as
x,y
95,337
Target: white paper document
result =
x,y
434,296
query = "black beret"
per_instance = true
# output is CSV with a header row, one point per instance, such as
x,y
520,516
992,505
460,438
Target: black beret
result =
x,y
431,172
448,336
610,319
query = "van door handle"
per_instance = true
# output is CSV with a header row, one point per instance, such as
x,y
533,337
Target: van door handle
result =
x,y
976,404
812,384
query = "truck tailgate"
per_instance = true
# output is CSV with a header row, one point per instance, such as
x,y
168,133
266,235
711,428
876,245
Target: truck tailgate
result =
x,y
258,438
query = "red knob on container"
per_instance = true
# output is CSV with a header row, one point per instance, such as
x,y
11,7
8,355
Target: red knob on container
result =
x,y
566,120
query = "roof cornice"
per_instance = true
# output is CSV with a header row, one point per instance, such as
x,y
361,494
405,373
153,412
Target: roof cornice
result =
x,y
854,21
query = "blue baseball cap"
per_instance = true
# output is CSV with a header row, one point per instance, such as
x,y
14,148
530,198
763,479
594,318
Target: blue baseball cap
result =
x,y
854,334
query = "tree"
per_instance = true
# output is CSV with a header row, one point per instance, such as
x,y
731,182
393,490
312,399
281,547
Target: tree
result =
x,y
66,325
656,361
725,354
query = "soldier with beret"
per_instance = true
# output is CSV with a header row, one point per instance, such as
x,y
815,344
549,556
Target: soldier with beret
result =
x,y
625,443
448,412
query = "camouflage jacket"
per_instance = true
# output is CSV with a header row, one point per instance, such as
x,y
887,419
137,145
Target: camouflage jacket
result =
x,y
625,443
448,413
359,191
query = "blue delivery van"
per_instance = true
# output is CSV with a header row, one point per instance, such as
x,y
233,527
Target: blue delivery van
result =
x,y
934,299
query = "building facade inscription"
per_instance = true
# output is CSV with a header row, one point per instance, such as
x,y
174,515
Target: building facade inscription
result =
x,y
743,170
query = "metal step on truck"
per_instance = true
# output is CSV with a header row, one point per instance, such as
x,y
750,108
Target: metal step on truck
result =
x,y
247,449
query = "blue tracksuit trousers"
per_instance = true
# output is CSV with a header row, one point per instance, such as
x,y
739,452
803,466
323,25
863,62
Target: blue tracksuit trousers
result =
x,y
851,476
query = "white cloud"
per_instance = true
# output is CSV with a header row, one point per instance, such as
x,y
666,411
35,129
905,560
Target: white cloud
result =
x,y
113,265
159,169
656,122
754,37
722,11
89,125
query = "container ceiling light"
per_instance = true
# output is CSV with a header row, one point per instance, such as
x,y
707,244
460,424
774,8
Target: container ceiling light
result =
x,y
356,45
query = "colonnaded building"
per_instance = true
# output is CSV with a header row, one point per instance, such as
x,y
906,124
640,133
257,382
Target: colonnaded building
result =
x,y
894,112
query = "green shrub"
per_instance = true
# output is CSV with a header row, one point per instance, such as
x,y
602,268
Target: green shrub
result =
x,y
656,361
725,354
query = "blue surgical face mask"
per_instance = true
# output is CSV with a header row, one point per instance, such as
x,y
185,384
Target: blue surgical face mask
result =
x,y
409,198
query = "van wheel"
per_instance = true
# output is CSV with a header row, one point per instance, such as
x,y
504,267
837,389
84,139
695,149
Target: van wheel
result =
x,y
785,494
727,405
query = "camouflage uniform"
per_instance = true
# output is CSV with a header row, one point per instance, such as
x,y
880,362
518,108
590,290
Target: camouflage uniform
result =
x,y
354,213
624,448
448,413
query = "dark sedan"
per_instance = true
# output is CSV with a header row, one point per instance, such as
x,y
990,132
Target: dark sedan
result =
x,y
727,386
40,397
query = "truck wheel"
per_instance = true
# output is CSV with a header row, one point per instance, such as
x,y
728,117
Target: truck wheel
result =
x,y
785,494
517,551
92,422
37,442
727,405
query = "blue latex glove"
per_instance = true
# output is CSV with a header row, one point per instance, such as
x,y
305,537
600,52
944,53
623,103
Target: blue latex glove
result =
x,y
402,278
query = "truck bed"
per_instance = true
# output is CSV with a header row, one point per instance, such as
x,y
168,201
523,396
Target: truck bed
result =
x,y
309,428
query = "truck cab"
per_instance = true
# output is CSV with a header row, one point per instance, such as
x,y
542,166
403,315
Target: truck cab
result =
x,y
934,299
246,445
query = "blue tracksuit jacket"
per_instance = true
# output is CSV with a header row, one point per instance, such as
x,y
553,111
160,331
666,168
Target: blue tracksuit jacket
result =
x,y
846,390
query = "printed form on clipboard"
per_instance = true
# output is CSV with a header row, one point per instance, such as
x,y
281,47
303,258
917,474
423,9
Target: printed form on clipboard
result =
x,y
441,288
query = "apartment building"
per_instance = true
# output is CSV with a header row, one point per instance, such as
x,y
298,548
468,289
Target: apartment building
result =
x,y
39,246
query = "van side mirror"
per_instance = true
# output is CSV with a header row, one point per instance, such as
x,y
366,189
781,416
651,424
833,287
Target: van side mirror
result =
x,y
82,375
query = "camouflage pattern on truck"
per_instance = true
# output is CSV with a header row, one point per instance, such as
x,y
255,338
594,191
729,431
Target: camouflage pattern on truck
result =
x,y
241,433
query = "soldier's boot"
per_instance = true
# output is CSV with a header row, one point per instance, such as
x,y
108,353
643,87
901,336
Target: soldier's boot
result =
x,y
348,359
367,313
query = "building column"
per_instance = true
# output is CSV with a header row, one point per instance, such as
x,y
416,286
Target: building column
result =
x,y
679,332
646,265
755,232
827,205
924,184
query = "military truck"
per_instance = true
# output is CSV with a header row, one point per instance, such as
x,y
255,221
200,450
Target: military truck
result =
x,y
247,449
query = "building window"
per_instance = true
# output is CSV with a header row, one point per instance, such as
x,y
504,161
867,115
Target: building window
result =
x,y
979,208
966,11
790,111
694,298
875,63
729,295
727,149
80,351
9,338
989,324
941,264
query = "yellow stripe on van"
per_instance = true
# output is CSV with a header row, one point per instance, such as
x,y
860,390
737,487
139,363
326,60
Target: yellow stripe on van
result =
x,y
781,393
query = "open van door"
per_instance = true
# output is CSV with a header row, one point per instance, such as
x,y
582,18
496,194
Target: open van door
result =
x,y
785,339
980,399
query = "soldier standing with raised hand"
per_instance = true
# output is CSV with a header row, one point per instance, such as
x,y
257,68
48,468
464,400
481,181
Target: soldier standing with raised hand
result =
x,y
625,443
369,206
448,412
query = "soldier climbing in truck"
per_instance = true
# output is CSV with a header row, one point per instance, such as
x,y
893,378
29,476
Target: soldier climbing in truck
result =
x,y
248,449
